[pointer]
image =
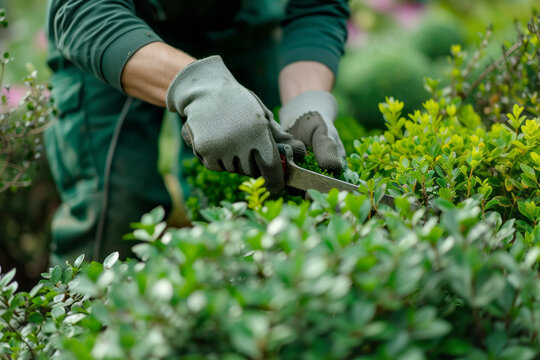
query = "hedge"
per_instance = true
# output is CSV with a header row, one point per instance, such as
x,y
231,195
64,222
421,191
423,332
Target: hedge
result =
x,y
449,271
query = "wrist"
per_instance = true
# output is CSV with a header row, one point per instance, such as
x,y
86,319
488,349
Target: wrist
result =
x,y
148,73
301,76
320,101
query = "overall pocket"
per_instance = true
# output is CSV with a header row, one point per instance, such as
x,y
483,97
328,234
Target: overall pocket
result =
x,y
66,141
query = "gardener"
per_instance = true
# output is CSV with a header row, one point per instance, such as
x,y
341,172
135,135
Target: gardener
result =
x,y
118,63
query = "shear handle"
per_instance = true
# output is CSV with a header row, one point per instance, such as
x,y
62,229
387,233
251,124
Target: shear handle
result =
x,y
286,155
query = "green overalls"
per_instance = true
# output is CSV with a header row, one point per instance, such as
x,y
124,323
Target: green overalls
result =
x,y
103,149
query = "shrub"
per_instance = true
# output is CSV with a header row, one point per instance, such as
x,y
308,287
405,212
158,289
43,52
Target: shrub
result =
x,y
436,34
25,111
209,188
449,149
370,74
19,124
328,279
448,271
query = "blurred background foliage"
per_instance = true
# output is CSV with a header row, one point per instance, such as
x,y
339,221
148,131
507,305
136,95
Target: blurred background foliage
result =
x,y
393,45
25,212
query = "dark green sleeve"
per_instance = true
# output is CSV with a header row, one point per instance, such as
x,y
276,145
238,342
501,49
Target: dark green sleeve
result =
x,y
314,30
97,35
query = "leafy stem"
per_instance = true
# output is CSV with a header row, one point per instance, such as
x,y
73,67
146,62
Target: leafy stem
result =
x,y
492,67
2,70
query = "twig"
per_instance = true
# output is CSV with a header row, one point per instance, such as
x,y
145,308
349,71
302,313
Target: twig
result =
x,y
21,338
492,67
16,178
41,129
2,73
5,165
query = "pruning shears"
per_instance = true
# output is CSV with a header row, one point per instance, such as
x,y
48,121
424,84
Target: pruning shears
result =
x,y
302,179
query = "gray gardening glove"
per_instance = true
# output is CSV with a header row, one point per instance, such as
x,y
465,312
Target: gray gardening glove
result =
x,y
227,126
310,117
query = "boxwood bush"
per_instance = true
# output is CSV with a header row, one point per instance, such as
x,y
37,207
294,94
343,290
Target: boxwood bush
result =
x,y
449,269
322,280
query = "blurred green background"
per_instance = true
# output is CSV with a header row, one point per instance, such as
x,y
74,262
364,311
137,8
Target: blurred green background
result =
x,y
392,46
25,213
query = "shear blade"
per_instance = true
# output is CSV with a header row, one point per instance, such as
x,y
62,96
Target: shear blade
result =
x,y
302,179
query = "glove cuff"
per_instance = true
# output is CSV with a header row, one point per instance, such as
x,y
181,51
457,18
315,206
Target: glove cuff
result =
x,y
322,101
196,78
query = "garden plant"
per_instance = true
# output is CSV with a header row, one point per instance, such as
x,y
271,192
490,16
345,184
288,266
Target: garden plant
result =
x,y
20,123
450,270
26,110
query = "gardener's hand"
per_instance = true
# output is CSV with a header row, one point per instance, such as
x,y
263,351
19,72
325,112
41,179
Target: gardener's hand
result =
x,y
310,117
227,126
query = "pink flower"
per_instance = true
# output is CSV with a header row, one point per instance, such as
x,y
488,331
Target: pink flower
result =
x,y
408,14
356,36
384,6
14,95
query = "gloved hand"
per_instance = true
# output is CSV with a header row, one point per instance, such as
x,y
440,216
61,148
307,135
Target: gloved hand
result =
x,y
227,126
310,117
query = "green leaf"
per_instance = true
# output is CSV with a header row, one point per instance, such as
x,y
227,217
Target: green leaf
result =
x,y
498,200
6,279
56,274
332,198
455,347
527,169
154,217
58,311
78,261
144,251
93,270
527,182
244,343
74,318
489,290
35,290
359,205
496,341
507,230
82,285
442,183
362,312
433,330
17,301
525,210
36,318
101,313
444,204
5,349
318,198
379,193
111,260
67,275
517,352
536,158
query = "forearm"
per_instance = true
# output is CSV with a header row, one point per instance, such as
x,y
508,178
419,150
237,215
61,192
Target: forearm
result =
x,y
97,36
302,76
149,72
314,35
